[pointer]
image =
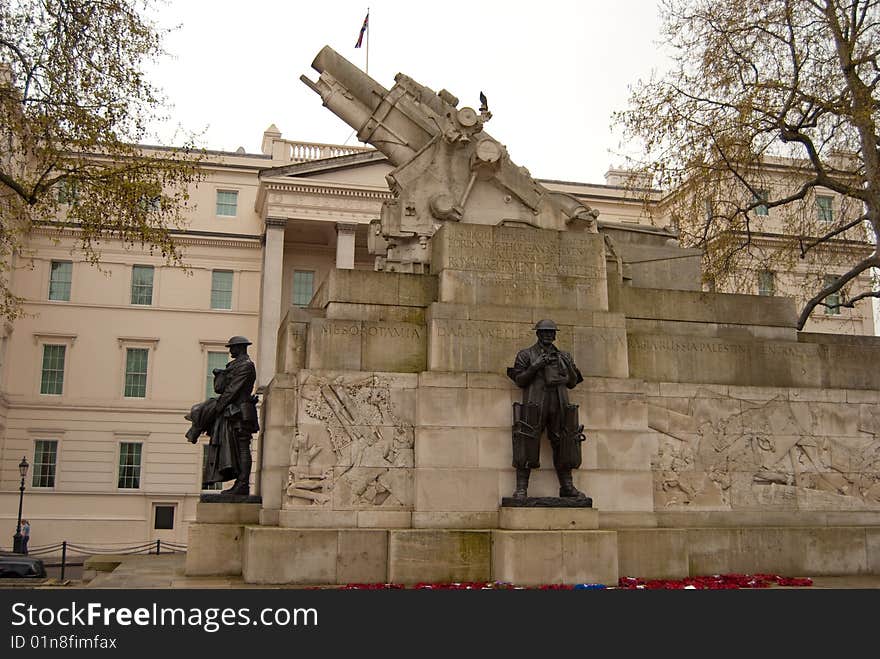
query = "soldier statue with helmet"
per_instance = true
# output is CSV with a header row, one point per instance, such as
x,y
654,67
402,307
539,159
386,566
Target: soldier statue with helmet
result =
x,y
545,375
230,420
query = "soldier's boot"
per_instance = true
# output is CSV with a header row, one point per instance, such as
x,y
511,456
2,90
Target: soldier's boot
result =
x,y
522,484
566,485
242,483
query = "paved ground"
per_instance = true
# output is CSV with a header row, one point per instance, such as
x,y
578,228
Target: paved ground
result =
x,y
167,571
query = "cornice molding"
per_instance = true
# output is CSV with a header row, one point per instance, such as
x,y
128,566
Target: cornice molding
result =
x,y
203,241
328,190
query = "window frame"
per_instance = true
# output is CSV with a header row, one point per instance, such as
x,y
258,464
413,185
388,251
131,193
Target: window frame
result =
x,y
35,464
295,272
131,296
767,292
218,203
209,377
838,296
156,507
44,346
126,343
762,195
69,283
231,289
825,215
132,441
68,192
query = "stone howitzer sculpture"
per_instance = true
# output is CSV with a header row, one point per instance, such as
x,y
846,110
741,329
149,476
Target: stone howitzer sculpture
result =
x,y
447,168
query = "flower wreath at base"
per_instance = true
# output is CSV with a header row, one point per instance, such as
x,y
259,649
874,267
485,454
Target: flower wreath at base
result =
x,y
711,582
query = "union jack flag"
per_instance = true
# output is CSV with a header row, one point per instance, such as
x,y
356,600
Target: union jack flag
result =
x,y
364,27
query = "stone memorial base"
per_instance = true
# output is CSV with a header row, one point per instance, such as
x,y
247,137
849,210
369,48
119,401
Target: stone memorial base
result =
x,y
533,558
215,538
230,498
547,502
549,519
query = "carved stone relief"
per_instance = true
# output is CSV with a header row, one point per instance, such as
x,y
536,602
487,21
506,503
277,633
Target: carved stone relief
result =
x,y
727,453
354,450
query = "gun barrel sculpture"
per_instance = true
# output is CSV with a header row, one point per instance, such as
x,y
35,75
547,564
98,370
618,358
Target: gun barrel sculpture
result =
x,y
447,168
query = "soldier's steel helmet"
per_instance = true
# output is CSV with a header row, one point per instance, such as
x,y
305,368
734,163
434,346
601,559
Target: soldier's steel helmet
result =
x,y
546,325
238,341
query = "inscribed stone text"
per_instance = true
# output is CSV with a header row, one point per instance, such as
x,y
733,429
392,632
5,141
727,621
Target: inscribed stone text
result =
x,y
673,345
483,330
474,252
399,332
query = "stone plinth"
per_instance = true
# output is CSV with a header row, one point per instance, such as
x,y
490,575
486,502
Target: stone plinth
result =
x,y
376,288
548,519
316,518
653,553
223,498
438,556
314,556
227,513
532,558
519,267
547,502
214,549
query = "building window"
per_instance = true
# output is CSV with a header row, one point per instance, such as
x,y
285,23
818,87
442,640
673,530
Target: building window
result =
x,y
142,284
766,283
761,209
129,465
215,360
227,203
45,460
833,299
52,378
163,518
221,289
210,486
824,209
67,192
59,280
303,287
136,372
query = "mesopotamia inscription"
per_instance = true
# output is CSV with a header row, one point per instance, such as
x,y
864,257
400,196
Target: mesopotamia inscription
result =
x,y
386,332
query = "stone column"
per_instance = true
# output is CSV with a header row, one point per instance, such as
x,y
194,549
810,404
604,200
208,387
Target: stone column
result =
x,y
270,297
345,245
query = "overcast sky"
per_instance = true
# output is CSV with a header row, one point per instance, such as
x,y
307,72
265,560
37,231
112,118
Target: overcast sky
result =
x,y
552,70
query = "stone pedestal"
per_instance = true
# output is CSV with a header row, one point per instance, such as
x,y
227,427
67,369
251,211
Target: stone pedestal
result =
x,y
214,546
548,519
532,558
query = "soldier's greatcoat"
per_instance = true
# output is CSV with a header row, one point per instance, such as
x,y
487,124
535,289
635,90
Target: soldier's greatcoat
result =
x,y
229,419
546,390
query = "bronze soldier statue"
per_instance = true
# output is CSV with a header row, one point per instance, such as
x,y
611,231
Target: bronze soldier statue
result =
x,y
545,374
230,420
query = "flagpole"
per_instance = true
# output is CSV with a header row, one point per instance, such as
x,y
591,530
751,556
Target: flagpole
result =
x,y
367,35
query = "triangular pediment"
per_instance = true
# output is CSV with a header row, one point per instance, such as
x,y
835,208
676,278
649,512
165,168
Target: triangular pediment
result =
x,y
362,169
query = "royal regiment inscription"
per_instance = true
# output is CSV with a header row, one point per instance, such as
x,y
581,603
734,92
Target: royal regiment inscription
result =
x,y
517,251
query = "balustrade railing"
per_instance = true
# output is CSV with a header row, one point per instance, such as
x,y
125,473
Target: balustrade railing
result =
x,y
308,151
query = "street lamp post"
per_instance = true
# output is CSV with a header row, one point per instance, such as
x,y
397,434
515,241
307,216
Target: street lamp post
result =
x,y
16,539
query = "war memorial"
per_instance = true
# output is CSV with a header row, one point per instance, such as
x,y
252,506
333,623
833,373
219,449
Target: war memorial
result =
x,y
717,438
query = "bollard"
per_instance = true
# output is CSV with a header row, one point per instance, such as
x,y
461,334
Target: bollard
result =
x,y
63,558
